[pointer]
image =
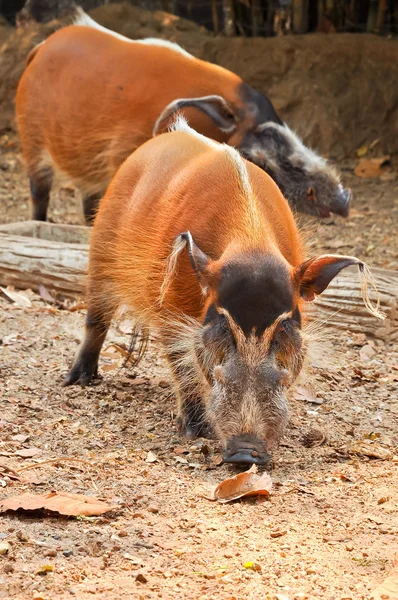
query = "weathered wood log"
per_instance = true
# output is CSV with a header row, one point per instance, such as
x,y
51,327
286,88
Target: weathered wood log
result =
x,y
34,253
56,256
341,305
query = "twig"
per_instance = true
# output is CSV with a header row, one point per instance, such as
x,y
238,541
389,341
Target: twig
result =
x,y
52,460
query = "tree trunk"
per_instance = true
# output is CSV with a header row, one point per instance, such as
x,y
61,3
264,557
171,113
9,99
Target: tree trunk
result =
x,y
214,12
341,305
34,253
229,17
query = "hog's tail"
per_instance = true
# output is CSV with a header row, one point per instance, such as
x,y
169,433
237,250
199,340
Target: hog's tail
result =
x,y
367,284
171,266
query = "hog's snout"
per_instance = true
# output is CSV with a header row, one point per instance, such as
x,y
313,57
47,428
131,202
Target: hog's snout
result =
x,y
246,449
342,204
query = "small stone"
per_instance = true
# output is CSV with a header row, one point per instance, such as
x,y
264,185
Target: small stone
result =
x,y
67,552
4,548
51,553
228,555
38,596
310,571
384,530
141,578
123,533
349,547
22,537
383,500
8,568
276,534
152,508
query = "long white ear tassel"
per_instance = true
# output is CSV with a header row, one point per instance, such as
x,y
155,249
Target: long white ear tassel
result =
x,y
366,281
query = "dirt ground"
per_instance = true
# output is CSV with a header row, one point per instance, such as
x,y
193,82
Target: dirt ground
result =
x,y
329,529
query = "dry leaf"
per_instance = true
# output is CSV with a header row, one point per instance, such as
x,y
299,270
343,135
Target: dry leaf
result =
x,y
61,502
151,457
362,151
44,569
243,484
19,298
303,393
253,566
28,452
367,448
370,167
45,294
20,438
389,587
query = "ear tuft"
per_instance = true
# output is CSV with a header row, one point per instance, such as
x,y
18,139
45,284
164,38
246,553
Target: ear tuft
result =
x,y
314,276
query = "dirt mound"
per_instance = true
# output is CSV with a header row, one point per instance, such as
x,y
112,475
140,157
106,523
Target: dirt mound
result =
x,y
338,91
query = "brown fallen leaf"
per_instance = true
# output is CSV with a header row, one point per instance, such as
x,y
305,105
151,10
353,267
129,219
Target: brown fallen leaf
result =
x,y
370,167
313,437
60,502
367,448
303,393
19,298
242,485
45,295
389,587
28,452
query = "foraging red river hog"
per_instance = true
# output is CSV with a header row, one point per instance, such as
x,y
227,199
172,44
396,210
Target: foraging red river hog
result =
x,y
204,249
89,97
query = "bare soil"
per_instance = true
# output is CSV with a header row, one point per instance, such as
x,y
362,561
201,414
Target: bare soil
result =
x,y
329,529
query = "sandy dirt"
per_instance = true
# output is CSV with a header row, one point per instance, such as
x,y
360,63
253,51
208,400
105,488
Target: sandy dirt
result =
x,y
329,529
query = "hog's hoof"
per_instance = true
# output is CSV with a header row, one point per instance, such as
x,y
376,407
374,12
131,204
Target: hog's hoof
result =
x,y
82,373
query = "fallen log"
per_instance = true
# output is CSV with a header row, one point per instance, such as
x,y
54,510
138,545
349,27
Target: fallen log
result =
x,y
34,253
341,305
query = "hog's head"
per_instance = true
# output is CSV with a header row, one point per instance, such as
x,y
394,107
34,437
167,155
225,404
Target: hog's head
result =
x,y
250,346
307,180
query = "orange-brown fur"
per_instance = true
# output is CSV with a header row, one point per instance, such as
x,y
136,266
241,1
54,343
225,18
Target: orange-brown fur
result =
x,y
87,99
139,219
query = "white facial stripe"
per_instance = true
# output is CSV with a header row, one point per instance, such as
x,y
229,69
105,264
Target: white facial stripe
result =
x,y
301,153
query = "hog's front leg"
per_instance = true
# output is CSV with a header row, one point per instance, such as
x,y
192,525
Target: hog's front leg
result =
x,y
189,391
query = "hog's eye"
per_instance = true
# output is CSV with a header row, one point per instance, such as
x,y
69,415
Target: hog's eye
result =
x,y
286,335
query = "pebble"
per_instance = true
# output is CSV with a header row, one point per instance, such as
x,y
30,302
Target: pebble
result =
x,y
51,553
67,552
123,533
152,508
141,578
276,534
38,596
4,548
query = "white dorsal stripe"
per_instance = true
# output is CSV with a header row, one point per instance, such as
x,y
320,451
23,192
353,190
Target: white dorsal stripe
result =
x,y
82,18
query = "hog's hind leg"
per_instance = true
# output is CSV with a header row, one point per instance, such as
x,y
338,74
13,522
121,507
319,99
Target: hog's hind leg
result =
x,y
90,207
40,182
98,320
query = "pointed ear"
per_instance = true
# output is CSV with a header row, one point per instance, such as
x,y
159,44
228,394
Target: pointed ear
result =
x,y
314,275
199,260
215,107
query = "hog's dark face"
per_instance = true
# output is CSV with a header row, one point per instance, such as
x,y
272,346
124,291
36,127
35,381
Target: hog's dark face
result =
x,y
249,376
306,180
